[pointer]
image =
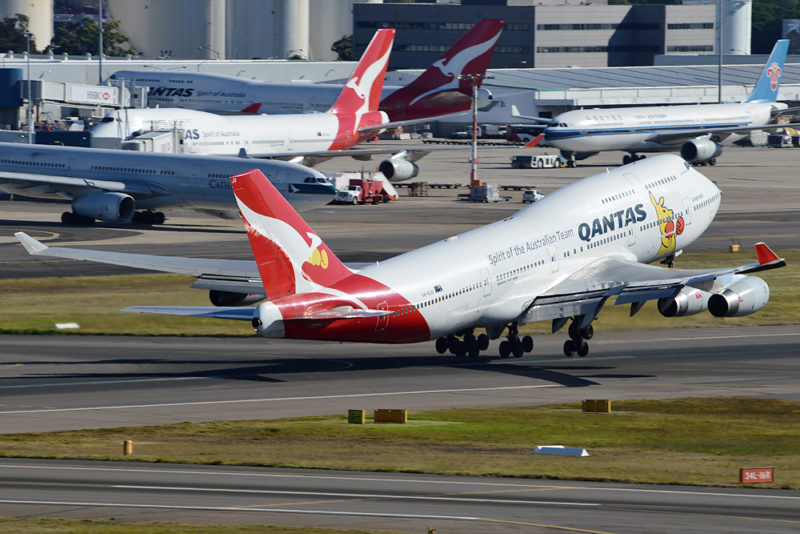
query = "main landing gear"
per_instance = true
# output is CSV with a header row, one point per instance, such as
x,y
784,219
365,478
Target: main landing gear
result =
x,y
576,344
472,345
630,158
148,217
69,217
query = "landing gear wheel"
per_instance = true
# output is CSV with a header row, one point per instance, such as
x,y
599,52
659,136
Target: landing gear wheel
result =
x,y
483,342
643,156
505,349
712,161
583,348
569,348
159,217
588,332
516,348
66,217
473,350
626,159
441,345
573,330
527,343
461,349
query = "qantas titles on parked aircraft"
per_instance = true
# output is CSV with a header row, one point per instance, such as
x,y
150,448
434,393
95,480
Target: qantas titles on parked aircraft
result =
x,y
111,185
437,91
694,130
559,259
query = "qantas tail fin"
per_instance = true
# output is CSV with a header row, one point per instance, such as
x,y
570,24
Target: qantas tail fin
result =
x,y
766,89
362,92
291,258
439,90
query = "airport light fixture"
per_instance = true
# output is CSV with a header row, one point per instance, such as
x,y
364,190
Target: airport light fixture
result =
x,y
474,79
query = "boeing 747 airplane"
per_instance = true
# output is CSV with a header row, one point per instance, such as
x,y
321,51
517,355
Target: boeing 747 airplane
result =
x,y
560,259
692,130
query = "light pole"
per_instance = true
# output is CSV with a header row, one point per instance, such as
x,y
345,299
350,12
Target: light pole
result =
x,y
100,43
474,79
29,112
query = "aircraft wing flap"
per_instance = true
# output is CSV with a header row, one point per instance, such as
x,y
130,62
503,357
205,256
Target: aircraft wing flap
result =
x,y
197,267
209,312
71,185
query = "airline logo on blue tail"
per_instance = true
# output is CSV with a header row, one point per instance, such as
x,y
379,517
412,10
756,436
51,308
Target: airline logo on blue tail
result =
x,y
766,89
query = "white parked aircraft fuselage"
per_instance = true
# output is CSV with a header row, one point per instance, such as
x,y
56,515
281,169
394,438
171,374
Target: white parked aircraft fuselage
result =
x,y
593,130
211,134
176,179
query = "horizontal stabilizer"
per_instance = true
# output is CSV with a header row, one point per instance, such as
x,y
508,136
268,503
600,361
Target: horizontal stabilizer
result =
x,y
341,313
209,312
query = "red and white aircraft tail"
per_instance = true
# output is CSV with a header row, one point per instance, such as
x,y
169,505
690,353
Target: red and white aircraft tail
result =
x,y
439,90
291,258
357,104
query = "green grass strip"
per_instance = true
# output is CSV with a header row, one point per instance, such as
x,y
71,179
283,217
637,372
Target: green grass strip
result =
x,y
89,526
695,441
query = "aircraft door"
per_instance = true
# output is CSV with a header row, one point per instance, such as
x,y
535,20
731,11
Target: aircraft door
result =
x,y
687,211
552,255
632,228
487,283
383,320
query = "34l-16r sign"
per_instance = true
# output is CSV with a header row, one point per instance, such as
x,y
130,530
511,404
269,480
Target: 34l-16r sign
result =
x,y
756,474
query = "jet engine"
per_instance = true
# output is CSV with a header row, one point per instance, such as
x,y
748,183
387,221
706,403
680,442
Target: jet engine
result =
x,y
228,298
113,207
689,301
700,150
745,295
398,168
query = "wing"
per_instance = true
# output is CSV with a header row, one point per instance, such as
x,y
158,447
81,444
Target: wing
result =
x,y
678,135
69,187
313,158
237,276
585,291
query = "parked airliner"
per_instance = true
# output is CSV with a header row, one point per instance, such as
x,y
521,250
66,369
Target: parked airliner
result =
x,y
111,185
693,130
437,91
559,259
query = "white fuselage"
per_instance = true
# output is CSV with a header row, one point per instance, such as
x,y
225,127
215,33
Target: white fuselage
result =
x,y
485,276
633,129
228,94
155,180
204,133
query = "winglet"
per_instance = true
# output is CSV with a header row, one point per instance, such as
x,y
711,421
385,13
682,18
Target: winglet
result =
x,y
765,254
33,246
536,141
766,89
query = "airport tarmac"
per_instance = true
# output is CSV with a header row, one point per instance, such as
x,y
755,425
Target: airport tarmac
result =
x,y
400,502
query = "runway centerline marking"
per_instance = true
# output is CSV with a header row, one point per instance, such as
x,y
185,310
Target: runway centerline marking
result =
x,y
279,399
103,382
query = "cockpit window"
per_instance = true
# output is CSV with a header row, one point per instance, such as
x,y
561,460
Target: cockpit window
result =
x,y
107,119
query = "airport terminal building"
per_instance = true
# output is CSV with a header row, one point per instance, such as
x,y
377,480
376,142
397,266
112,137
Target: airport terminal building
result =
x,y
543,33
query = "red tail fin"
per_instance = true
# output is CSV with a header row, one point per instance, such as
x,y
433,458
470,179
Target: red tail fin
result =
x,y
362,92
438,90
535,141
252,108
291,258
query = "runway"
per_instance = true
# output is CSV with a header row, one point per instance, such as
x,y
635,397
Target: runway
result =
x,y
401,502
57,383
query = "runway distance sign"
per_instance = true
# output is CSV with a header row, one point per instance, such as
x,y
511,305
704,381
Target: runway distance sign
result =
x,y
756,475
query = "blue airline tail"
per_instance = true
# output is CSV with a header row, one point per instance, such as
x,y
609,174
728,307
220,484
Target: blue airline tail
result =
x,y
766,89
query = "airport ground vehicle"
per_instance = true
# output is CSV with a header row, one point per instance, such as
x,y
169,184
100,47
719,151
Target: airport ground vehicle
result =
x,y
363,191
536,161
531,196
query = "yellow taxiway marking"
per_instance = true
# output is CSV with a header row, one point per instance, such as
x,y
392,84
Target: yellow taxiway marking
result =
x,y
544,525
11,365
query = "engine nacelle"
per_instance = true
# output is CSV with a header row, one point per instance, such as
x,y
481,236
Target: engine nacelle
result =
x,y
114,207
228,298
745,295
398,169
689,301
700,150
